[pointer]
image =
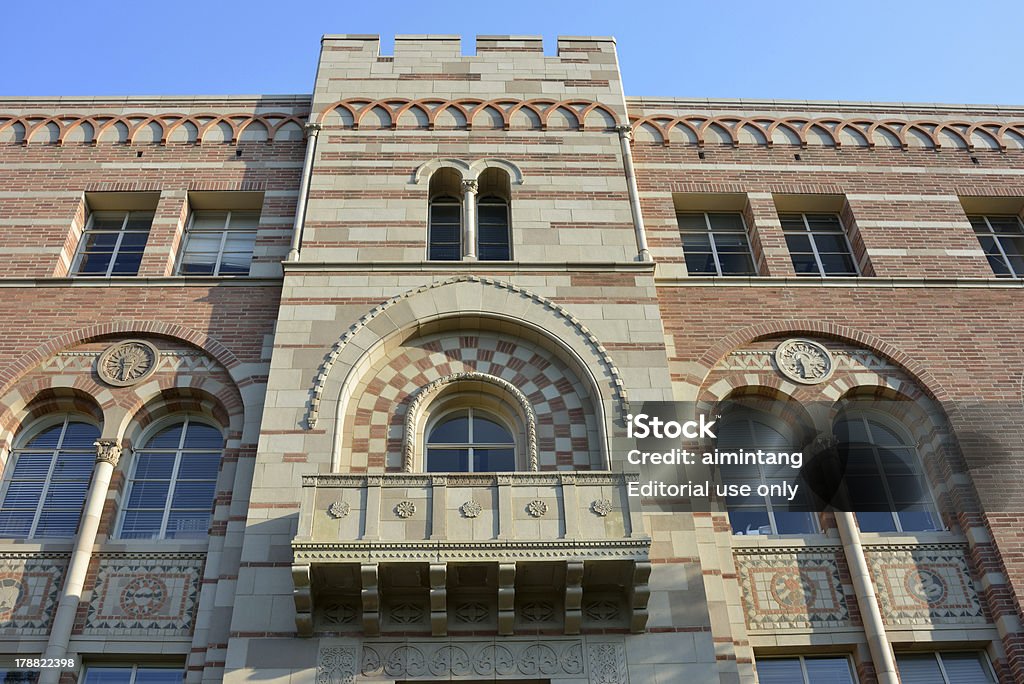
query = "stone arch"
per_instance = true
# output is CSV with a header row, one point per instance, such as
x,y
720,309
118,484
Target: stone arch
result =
x,y
414,413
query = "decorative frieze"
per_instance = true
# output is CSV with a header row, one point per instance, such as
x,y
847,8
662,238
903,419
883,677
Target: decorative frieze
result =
x,y
29,591
798,589
925,585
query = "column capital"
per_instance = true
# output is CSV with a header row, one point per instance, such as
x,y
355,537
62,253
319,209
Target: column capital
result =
x,y
470,186
312,128
624,131
108,451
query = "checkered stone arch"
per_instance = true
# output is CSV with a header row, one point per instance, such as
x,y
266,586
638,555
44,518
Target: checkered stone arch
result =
x,y
567,431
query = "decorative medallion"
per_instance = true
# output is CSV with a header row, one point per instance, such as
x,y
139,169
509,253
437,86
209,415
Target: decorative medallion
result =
x,y
926,586
472,613
143,596
340,613
405,509
471,509
792,589
804,361
536,508
339,509
602,611
12,596
601,507
538,611
127,363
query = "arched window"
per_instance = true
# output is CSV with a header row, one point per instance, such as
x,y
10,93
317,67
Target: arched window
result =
x,y
493,239
883,476
742,429
444,239
493,216
173,482
470,440
48,480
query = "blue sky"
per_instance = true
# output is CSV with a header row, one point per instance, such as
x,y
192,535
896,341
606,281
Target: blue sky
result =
x,y
907,51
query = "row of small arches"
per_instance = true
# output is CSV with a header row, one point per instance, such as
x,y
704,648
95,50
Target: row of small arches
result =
x,y
147,129
501,114
828,132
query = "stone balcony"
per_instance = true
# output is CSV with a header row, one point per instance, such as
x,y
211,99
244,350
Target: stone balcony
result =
x,y
440,553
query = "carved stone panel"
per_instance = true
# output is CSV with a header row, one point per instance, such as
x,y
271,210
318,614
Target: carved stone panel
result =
x,y
927,584
127,363
29,590
152,595
792,589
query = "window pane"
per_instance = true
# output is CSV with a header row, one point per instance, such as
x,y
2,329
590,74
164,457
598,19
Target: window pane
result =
x,y
919,521
203,242
728,222
697,242
241,241
127,263
919,669
494,460
141,524
168,438
792,222
798,243
750,521
824,222
838,264
147,494
30,465
492,213
736,264
197,495
134,241
154,466
16,524
795,522
447,460
202,436
779,671
140,220
78,435
493,252
94,264
452,431
1009,225
209,220
159,676
804,264
966,668
108,675
731,242
828,670
691,222
445,213
830,243
57,524
699,263
198,264
876,522
100,242
107,220
235,263
199,466
488,432
241,220
187,525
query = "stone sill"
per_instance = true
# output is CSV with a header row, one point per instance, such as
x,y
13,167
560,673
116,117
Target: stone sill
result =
x,y
861,282
134,281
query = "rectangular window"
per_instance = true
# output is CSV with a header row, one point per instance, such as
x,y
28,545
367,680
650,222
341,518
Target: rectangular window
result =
x,y
1002,238
113,243
134,675
445,239
818,245
219,243
970,667
805,670
716,244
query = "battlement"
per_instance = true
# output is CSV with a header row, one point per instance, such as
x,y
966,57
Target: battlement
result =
x,y
423,66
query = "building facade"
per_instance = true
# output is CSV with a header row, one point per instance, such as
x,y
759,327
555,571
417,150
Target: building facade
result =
x,y
334,387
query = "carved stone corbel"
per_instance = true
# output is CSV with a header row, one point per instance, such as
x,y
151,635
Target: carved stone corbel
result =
x,y
573,596
370,594
438,599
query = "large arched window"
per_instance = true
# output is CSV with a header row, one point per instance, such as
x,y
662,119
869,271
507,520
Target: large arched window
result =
x,y
444,238
883,476
748,430
173,482
48,480
493,216
469,440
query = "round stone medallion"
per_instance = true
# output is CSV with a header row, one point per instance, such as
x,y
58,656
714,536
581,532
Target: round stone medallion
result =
x,y
804,361
127,363
144,596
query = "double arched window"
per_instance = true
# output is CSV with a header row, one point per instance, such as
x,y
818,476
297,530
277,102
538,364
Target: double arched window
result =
x,y
49,477
470,440
469,218
173,482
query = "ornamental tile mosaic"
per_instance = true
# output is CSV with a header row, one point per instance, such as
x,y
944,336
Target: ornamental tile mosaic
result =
x,y
925,585
792,590
156,594
29,591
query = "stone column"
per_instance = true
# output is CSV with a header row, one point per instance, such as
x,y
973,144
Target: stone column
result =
x,y
108,453
643,253
312,131
469,188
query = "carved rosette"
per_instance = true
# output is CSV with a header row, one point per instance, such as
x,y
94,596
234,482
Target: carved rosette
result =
x,y
339,509
405,509
127,363
471,509
108,451
601,507
537,508
804,361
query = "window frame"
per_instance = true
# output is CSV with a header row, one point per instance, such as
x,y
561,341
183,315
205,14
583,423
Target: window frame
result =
x,y
29,434
494,200
710,232
179,451
445,200
803,664
783,216
996,238
469,445
866,418
80,253
224,231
